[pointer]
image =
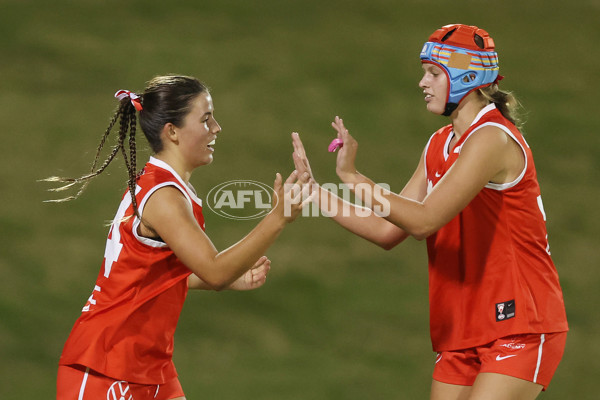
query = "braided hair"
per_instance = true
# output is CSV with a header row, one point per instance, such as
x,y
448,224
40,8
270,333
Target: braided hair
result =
x,y
166,99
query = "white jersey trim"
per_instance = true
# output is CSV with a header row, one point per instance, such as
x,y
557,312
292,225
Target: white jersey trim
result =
x,y
447,145
507,185
483,111
136,223
189,193
425,153
427,150
189,188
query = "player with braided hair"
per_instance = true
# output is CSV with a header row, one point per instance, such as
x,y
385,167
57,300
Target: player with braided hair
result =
x,y
126,115
497,316
122,344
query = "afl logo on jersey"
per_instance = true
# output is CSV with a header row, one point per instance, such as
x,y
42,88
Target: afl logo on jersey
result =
x,y
119,391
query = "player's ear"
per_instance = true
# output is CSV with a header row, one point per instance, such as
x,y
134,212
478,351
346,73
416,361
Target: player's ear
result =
x,y
169,133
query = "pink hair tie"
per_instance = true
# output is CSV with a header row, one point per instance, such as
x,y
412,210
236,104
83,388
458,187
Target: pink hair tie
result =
x,y
335,144
134,98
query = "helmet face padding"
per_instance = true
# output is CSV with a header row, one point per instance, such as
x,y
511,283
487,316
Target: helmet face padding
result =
x,y
466,54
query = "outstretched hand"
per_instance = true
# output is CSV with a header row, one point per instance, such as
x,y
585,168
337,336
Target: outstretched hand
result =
x,y
289,198
299,156
345,163
346,156
255,277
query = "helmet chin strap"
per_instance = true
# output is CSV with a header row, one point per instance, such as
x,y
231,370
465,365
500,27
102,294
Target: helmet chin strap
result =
x,y
450,107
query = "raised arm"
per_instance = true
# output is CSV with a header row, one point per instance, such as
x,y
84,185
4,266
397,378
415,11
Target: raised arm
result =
x,y
169,215
488,156
358,219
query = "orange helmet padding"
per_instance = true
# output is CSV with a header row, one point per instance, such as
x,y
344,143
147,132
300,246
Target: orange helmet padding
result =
x,y
460,35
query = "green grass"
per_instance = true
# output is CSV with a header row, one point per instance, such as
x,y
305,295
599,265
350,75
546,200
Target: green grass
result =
x,y
339,318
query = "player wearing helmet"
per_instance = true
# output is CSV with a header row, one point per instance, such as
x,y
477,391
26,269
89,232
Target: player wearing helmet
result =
x,y
466,55
497,317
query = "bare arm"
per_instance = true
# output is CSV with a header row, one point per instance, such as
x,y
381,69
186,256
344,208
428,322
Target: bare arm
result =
x,y
488,156
254,278
169,215
366,225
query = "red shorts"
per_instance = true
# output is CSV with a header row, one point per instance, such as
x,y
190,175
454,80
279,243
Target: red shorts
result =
x,y
532,357
76,382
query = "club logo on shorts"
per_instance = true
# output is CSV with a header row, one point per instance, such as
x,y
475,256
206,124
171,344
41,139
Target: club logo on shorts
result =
x,y
505,310
119,391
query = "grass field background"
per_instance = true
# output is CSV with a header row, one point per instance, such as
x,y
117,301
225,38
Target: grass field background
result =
x,y
339,317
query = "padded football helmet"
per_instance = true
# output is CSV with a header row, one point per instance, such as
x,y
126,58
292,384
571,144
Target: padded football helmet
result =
x,y
466,54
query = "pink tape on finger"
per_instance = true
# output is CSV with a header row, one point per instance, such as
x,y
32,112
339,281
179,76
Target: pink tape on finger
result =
x,y
335,144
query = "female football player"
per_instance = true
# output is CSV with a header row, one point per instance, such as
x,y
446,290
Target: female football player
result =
x,y
122,344
497,316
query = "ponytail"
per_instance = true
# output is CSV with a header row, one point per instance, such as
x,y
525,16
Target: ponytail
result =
x,y
127,117
505,102
166,99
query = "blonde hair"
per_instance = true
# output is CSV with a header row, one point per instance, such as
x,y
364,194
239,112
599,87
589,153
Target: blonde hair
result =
x,y
505,102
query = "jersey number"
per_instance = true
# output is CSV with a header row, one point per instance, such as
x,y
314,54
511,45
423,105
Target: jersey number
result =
x,y
113,245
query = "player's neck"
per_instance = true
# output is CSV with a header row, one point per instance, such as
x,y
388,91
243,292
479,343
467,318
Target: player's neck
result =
x,y
465,113
174,162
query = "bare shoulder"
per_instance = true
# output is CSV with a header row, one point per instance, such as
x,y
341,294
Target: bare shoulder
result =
x,y
492,146
166,206
488,137
488,146
166,201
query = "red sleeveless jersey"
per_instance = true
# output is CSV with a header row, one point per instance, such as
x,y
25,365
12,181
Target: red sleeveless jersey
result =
x,y
126,329
490,270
